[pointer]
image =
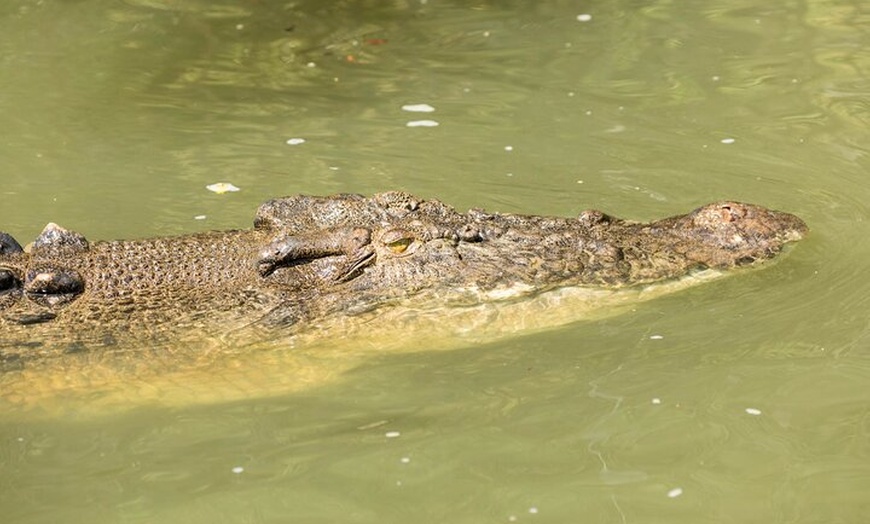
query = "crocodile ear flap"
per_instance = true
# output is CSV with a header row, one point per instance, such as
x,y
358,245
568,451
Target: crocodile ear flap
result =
x,y
289,249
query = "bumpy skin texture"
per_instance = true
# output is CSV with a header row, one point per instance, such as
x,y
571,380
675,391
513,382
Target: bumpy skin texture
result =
x,y
308,258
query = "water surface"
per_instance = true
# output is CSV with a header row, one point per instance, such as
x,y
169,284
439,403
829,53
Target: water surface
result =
x,y
744,400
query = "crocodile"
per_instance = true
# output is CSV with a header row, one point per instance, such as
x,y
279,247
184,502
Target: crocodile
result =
x,y
310,259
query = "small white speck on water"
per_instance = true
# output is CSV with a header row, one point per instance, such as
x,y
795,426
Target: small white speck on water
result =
x,y
405,460
20,439
656,401
222,187
716,78
295,141
509,174
312,64
239,27
238,469
656,337
674,493
422,123
199,217
512,518
728,140
533,510
753,411
486,34
585,17
392,434
418,108
588,112
508,148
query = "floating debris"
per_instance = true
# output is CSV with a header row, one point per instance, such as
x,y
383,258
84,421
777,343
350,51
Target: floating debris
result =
x,y
727,140
373,425
656,401
753,411
585,17
656,337
508,148
392,434
238,469
222,187
295,141
422,123
199,217
418,108
674,493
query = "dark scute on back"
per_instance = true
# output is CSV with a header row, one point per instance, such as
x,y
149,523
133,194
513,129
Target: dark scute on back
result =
x,y
55,239
53,286
8,244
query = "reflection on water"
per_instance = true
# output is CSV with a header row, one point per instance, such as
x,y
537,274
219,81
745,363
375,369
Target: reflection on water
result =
x,y
741,401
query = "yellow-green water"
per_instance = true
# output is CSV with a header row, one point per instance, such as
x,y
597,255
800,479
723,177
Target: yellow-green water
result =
x,y
743,400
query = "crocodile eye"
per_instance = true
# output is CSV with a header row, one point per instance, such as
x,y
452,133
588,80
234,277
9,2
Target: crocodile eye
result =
x,y
399,246
397,241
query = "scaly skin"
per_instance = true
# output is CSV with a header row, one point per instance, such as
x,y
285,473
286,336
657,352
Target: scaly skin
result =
x,y
311,258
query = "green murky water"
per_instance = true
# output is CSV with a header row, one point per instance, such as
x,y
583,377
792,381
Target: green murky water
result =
x,y
745,400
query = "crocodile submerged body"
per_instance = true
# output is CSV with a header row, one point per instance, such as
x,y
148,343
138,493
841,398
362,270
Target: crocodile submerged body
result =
x,y
313,258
